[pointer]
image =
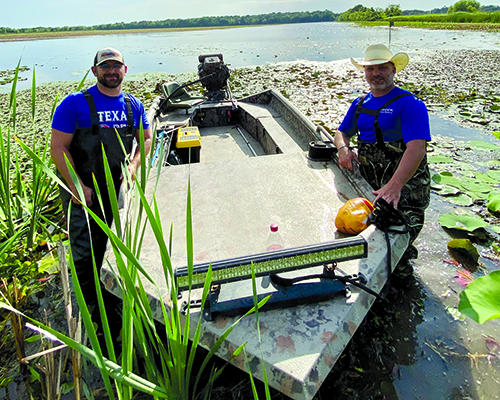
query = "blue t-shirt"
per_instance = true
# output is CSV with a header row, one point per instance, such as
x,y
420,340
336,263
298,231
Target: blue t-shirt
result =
x,y
74,112
407,118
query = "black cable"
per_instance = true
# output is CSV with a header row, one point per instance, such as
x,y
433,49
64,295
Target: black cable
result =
x,y
287,282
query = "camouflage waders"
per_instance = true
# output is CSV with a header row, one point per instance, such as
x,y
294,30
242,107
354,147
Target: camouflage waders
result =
x,y
377,167
86,151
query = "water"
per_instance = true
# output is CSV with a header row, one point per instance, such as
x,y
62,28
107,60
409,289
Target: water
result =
x,y
424,329
176,52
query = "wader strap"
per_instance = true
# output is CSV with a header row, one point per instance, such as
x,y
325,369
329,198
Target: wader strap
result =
x,y
130,113
375,113
94,117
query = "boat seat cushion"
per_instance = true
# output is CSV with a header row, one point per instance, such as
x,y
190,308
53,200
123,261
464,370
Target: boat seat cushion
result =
x,y
178,97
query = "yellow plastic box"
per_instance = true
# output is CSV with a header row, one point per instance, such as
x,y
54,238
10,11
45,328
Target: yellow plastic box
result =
x,y
188,137
189,144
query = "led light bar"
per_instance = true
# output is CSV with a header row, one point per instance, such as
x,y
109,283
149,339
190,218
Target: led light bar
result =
x,y
235,269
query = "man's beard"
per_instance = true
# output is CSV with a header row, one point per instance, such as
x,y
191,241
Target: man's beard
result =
x,y
114,84
384,84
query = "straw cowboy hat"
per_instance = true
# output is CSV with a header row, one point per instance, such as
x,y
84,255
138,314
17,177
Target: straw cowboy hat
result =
x,y
379,54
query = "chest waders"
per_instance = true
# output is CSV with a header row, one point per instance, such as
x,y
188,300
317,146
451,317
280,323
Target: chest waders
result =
x,y
86,151
87,144
378,163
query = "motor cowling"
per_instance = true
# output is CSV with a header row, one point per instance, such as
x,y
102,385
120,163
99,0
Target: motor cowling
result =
x,y
214,73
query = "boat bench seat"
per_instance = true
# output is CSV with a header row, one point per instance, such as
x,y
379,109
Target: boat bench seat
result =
x,y
273,137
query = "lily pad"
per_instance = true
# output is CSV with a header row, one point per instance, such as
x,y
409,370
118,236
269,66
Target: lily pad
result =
x,y
479,144
460,200
489,163
438,159
481,300
466,222
447,178
464,252
476,195
485,178
475,186
446,190
495,174
494,201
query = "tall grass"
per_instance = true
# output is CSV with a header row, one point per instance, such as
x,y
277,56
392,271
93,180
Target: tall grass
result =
x,y
27,196
457,17
168,365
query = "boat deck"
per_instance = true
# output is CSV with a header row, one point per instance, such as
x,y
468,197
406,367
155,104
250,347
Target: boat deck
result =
x,y
235,197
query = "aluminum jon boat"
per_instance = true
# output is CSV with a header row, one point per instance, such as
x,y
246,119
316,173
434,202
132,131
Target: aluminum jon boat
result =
x,y
253,162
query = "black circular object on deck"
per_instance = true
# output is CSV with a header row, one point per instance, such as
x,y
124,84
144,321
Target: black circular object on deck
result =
x,y
320,151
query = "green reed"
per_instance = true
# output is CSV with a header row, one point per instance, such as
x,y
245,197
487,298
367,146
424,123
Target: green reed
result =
x,y
27,197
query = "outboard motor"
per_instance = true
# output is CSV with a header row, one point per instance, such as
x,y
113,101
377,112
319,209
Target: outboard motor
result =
x,y
215,74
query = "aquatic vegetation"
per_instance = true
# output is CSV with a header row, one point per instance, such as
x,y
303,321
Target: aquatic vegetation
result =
x,y
465,253
8,76
481,299
465,221
494,201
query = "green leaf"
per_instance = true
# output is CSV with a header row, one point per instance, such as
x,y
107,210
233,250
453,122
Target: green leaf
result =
x,y
494,201
485,178
438,159
481,299
447,178
489,163
460,200
496,134
475,186
447,190
466,222
481,145
495,174
464,252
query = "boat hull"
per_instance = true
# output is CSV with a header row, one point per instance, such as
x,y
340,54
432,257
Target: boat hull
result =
x,y
235,197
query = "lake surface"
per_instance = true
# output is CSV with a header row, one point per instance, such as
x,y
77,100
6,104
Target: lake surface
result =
x,y
175,52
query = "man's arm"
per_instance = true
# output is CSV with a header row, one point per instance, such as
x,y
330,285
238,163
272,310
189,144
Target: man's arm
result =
x,y
136,159
59,148
412,157
345,156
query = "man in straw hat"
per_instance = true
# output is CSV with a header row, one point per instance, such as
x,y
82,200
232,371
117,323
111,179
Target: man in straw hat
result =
x,y
83,123
393,129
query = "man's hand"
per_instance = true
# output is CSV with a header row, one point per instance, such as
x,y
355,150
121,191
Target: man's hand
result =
x,y
132,169
390,193
346,158
88,194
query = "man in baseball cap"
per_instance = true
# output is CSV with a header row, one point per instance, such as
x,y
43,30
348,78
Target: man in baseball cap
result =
x,y
85,123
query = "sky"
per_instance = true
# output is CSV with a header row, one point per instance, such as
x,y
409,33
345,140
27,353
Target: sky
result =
x,y
56,13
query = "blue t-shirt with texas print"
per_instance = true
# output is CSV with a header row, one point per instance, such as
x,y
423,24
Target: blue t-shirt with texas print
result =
x,y
74,113
407,118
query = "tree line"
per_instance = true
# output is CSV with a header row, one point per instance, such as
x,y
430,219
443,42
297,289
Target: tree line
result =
x,y
361,13
228,20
